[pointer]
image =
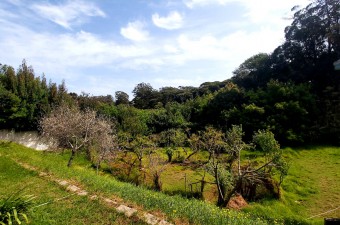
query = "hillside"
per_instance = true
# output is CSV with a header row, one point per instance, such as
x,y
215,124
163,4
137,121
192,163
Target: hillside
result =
x,y
174,208
311,188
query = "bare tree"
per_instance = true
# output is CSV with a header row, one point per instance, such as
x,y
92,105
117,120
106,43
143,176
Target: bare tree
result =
x,y
75,129
157,165
104,142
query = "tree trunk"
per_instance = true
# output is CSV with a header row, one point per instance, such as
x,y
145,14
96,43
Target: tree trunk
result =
x,y
73,153
231,193
157,182
169,157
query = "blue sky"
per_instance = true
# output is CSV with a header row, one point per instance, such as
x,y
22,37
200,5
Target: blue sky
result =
x,y
103,46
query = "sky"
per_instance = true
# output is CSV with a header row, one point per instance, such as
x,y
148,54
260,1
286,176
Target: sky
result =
x,y
103,46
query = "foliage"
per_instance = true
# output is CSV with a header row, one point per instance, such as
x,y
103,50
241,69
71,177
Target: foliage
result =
x,y
121,98
13,209
144,96
132,120
24,98
253,72
232,175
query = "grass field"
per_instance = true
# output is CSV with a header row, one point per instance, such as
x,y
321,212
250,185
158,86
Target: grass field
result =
x,y
174,208
70,210
311,188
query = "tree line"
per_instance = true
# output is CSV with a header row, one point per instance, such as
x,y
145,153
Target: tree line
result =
x,y
293,91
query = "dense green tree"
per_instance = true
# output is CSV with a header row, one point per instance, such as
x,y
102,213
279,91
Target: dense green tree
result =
x,y
145,96
311,46
290,110
225,99
253,72
197,115
28,94
10,110
211,87
174,115
121,98
132,120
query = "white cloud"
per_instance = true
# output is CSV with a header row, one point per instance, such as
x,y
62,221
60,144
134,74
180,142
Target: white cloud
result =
x,y
203,48
50,52
205,51
193,3
135,31
69,14
173,21
268,11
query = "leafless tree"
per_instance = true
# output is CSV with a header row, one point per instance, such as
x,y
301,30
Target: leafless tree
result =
x,y
103,143
77,130
157,165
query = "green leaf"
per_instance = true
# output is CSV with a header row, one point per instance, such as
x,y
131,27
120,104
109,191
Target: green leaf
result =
x,y
15,213
24,216
9,220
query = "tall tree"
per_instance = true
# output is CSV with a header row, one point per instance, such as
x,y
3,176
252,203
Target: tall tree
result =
x,y
253,72
121,98
145,97
312,45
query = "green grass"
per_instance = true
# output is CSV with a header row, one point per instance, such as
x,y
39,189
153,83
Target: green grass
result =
x,y
175,207
71,210
311,187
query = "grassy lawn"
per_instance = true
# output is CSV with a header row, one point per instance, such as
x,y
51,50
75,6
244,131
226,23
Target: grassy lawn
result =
x,y
71,210
311,187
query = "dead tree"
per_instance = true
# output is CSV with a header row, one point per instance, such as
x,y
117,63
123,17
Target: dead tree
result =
x,y
75,129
